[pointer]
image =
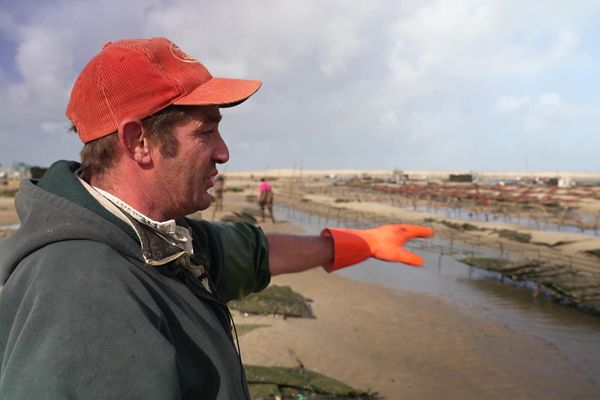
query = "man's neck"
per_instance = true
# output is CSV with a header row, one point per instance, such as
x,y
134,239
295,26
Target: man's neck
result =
x,y
133,191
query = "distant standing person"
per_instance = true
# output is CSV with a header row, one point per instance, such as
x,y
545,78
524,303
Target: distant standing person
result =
x,y
265,199
219,187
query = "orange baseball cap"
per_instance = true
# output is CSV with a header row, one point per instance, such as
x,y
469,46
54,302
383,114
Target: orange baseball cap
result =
x,y
139,77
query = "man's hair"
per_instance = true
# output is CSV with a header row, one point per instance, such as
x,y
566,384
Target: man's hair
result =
x,y
99,155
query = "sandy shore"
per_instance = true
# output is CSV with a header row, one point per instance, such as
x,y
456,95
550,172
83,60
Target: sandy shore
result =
x,y
8,215
401,345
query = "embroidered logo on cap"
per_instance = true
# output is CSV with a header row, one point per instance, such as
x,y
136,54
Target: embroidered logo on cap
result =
x,y
181,55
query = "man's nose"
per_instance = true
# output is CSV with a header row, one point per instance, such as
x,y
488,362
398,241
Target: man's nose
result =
x,y
221,152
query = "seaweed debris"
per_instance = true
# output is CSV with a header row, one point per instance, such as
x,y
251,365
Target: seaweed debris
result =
x,y
234,189
514,235
460,227
242,329
276,300
296,383
8,192
243,216
490,264
595,252
560,282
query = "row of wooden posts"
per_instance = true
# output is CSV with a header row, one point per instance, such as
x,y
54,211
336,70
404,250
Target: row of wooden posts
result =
x,y
541,216
454,240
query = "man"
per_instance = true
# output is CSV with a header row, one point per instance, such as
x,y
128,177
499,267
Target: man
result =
x,y
109,291
219,189
265,199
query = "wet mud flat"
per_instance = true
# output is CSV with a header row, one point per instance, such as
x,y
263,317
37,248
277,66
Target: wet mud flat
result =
x,y
288,382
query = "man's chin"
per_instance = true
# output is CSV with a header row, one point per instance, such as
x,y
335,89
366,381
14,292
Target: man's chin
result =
x,y
205,202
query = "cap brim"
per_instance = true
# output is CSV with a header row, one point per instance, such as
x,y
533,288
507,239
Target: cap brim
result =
x,y
224,92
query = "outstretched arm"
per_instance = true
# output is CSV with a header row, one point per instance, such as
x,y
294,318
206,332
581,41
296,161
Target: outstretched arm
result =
x,y
288,253
340,248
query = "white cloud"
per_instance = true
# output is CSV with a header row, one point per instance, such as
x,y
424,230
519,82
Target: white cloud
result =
x,y
54,128
548,110
565,44
343,36
266,37
438,41
441,39
441,127
8,26
17,97
548,103
511,105
44,60
389,119
538,115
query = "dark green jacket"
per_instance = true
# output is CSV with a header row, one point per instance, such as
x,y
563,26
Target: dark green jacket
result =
x,y
83,317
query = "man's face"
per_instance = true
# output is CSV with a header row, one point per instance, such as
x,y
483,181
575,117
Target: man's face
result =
x,y
185,178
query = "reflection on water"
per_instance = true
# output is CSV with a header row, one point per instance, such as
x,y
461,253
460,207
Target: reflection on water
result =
x,y
575,334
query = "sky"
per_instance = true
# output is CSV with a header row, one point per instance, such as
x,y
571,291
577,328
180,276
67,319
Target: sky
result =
x,y
463,85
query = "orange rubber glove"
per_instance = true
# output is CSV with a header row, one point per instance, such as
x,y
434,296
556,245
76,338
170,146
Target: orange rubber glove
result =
x,y
352,246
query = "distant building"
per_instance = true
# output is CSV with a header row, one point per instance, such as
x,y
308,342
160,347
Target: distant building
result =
x,y
416,177
20,171
461,178
587,182
398,176
565,183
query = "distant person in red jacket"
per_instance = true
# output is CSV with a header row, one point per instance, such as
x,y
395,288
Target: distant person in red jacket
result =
x,y
265,199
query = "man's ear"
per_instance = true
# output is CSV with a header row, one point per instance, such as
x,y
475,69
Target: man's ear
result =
x,y
134,142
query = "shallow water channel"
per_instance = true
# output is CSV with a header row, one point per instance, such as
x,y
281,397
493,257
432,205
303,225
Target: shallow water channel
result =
x,y
575,334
